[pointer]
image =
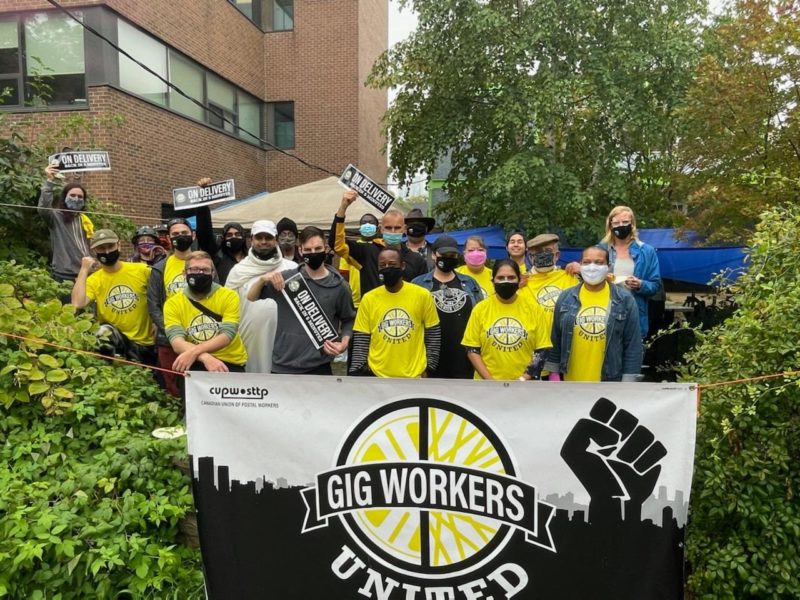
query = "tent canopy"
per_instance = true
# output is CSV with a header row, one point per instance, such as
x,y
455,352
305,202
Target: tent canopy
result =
x,y
313,203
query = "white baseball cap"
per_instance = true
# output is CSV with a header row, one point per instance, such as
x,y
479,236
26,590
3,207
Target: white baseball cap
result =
x,y
264,227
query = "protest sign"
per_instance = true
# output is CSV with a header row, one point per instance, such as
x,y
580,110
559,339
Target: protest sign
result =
x,y
308,311
213,193
358,487
81,160
370,191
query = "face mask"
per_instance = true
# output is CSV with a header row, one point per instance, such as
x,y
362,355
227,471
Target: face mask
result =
x,y
108,258
145,247
390,276
622,231
314,260
393,239
594,274
475,258
74,203
447,263
368,230
266,253
181,242
544,262
234,244
506,289
286,239
417,230
199,283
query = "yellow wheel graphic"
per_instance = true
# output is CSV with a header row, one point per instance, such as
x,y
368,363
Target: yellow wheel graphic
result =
x,y
430,539
547,296
592,320
507,331
396,324
121,297
202,328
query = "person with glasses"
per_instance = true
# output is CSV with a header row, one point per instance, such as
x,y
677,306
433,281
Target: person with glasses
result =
x,y
70,228
202,321
633,262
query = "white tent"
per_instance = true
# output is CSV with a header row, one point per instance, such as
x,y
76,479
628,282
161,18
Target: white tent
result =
x,y
313,203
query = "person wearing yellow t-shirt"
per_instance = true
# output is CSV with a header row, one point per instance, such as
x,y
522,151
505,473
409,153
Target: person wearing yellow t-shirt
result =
x,y
515,246
545,280
476,267
506,329
119,291
595,328
202,321
396,333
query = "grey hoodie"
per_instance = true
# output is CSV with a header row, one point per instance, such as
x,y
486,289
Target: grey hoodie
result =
x,y
293,351
67,238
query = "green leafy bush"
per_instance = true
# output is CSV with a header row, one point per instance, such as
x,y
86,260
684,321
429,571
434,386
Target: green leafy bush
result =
x,y
744,533
90,502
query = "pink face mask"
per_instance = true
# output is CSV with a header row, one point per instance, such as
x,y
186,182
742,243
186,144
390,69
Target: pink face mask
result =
x,y
475,258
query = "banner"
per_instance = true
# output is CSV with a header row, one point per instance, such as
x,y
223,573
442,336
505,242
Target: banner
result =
x,y
321,488
370,191
81,160
213,193
308,311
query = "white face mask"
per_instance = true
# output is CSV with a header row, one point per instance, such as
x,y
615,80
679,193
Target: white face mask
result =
x,y
594,274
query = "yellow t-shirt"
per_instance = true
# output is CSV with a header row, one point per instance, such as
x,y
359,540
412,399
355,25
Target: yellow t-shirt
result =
x,y
181,318
121,299
396,323
589,336
484,278
174,278
353,279
507,334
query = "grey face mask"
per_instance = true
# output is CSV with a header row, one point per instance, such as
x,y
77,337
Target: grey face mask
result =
x,y
74,203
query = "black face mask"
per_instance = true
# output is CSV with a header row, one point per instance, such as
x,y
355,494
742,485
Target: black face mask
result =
x,y
506,289
314,260
234,244
417,230
447,264
199,283
544,260
265,254
181,243
108,258
390,276
622,232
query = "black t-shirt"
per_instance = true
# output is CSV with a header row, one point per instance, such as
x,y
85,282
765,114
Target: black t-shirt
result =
x,y
454,306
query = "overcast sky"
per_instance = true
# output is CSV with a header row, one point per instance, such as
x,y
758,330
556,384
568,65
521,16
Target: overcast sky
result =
x,y
401,22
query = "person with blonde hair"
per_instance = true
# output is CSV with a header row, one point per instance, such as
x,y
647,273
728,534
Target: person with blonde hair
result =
x,y
633,262
475,266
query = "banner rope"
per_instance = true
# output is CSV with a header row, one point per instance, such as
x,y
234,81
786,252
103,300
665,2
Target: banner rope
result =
x,y
95,354
702,386
85,212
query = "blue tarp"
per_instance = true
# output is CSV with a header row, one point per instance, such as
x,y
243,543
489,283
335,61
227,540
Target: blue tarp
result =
x,y
679,259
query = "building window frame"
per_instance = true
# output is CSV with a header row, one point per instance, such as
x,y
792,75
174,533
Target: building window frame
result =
x,y
275,137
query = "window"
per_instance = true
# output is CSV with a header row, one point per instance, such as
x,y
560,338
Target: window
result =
x,y
249,118
148,51
55,71
10,68
280,124
280,15
188,76
222,102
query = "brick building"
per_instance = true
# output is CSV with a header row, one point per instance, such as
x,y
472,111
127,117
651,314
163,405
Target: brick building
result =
x,y
290,71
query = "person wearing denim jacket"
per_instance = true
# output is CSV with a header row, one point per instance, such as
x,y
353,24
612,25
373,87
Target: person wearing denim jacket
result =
x,y
622,360
621,238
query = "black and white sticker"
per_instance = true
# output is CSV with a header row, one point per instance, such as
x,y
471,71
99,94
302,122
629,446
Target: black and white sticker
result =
x,y
366,188
81,160
308,311
213,193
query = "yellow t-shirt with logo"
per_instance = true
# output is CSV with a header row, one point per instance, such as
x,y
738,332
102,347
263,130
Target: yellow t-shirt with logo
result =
x,y
182,318
545,288
174,278
507,334
396,323
121,300
589,336
484,278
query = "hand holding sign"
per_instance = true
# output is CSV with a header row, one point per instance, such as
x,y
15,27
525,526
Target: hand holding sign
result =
x,y
615,458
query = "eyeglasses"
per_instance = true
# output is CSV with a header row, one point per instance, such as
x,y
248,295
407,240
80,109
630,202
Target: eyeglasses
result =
x,y
620,223
196,271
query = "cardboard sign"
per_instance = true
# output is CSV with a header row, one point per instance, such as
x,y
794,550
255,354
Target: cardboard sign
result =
x,y
213,193
370,191
308,311
348,488
81,160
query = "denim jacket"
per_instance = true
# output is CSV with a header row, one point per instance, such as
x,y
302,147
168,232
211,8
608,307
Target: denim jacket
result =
x,y
468,284
623,354
645,268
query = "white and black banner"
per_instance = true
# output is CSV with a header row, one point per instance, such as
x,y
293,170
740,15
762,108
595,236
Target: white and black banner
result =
x,y
369,190
195,195
308,311
318,488
76,161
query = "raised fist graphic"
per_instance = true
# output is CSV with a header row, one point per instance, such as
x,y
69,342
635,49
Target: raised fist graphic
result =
x,y
616,460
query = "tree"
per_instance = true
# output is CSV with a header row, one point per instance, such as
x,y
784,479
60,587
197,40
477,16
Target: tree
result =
x,y
553,110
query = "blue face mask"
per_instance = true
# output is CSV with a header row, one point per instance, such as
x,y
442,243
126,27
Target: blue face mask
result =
x,y
392,239
368,230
